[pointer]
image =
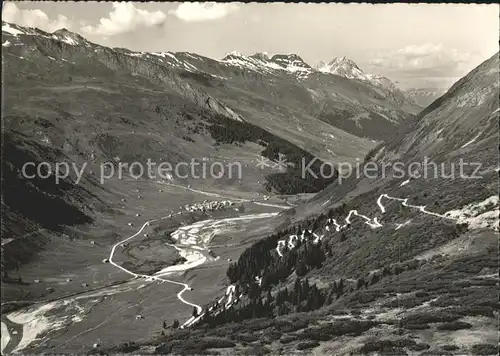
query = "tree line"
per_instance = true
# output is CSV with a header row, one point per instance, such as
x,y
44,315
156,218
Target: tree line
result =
x,y
291,181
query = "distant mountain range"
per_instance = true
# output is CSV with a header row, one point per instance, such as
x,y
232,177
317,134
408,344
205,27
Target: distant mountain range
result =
x,y
347,68
291,63
340,66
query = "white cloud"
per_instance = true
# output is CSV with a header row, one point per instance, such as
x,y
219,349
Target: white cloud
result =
x,y
125,17
427,59
33,18
203,11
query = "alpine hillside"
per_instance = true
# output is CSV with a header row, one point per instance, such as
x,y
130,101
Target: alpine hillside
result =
x,y
399,264
235,251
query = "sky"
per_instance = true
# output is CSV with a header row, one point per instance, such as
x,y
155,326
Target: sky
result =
x,y
415,45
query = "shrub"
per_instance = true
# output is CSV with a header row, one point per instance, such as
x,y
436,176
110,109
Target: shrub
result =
x,y
163,349
214,343
287,339
435,353
475,310
421,294
387,346
454,325
126,347
484,349
286,326
417,326
430,317
314,335
245,337
187,138
419,347
408,302
307,345
193,345
256,350
271,335
348,327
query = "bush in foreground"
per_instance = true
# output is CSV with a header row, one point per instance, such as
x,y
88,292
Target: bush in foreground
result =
x,y
307,345
454,325
484,349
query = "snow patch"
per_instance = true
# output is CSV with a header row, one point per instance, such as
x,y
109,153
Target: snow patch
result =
x,y
5,336
405,182
478,215
139,54
218,76
399,226
471,141
13,31
69,40
164,55
36,322
234,53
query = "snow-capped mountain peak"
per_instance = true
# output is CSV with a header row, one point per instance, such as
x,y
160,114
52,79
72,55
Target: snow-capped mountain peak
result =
x,y
347,68
291,62
261,56
68,36
344,62
262,62
342,66
234,54
62,35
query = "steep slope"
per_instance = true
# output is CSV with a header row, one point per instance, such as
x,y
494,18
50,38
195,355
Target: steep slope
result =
x,y
461,123
459,126
399,263
347,68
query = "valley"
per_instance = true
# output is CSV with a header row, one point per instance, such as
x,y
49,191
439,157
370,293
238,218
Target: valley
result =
x,y
50,315
165,202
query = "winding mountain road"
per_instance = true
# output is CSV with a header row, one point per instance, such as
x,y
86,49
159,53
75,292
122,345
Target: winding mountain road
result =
x,y
158,277
373,223
148,277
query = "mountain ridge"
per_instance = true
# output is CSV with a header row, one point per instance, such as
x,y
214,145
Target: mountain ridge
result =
x,y
289,69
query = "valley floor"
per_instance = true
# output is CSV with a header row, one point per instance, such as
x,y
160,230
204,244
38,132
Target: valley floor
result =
x,y
112,308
